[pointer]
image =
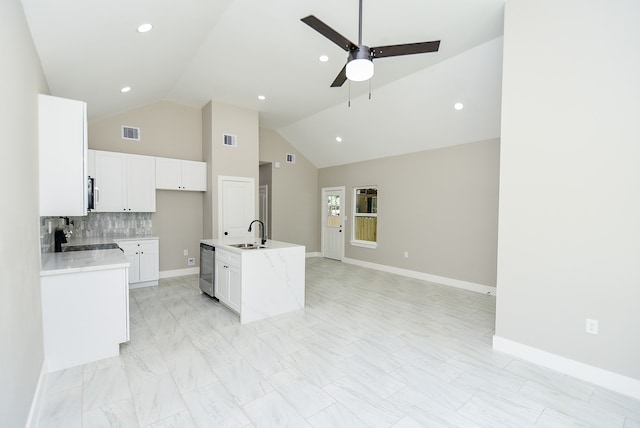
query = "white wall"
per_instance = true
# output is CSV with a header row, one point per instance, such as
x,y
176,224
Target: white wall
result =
x,y
241,161
21,349
569,218
440,206
295,201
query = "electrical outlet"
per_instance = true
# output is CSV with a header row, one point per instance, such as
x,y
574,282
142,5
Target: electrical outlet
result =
x,y
406,254
591,326
185,253
191,261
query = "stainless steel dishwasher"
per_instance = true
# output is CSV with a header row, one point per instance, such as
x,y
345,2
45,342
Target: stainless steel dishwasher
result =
x,y
207,269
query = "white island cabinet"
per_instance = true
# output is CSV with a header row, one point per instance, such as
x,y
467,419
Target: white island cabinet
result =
x,y
228,279
85,307
259,283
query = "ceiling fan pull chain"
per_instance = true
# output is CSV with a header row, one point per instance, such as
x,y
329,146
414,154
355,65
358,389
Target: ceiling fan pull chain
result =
x,y
370,88
349,103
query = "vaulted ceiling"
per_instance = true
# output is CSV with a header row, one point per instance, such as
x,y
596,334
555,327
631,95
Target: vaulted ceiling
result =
x,y
231,51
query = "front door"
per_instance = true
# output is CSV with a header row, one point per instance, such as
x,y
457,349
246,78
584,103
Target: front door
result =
x,y
333,222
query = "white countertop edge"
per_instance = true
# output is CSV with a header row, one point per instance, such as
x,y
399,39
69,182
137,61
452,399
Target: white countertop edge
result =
x,y
74,241
83,269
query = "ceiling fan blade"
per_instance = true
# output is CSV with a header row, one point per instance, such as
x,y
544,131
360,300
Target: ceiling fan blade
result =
x,y
406,49
340,78
328,32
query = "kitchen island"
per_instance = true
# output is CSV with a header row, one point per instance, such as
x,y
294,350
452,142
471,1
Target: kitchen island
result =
x,y
261,282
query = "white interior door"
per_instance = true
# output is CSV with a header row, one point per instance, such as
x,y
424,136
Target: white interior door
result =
x,y
263,198
236,206
333,223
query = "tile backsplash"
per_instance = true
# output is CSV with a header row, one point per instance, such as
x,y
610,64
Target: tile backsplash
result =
x,y
95,225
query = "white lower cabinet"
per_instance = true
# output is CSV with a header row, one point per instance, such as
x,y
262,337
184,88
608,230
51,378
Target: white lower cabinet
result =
x,y
228,281
143,255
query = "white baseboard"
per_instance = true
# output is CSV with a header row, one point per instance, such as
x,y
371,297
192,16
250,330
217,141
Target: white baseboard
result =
x,y
471,286
38,398
604,378
316,254
179,272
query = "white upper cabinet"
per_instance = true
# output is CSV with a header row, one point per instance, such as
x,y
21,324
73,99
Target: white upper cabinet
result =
x,y
177,174
62,126
124,182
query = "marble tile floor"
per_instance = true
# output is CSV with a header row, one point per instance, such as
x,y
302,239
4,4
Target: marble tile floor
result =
x,y
370,349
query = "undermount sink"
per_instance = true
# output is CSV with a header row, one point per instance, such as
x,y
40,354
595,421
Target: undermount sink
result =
x,y
247,246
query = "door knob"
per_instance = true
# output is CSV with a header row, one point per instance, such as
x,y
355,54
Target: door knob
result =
x,y
226,233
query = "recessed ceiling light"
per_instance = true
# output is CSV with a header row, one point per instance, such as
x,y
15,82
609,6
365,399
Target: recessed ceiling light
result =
x,y
144,28
339,139
262,97
323,58
125,89
458,106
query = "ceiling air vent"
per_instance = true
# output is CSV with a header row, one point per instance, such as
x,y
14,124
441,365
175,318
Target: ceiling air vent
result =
x,y
291,158
229,140
130,133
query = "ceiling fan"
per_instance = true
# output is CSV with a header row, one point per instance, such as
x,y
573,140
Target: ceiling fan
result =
x,y
359,66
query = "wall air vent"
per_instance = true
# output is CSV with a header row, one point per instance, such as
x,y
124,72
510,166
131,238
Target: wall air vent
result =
x,y
130,133
291,158
229,140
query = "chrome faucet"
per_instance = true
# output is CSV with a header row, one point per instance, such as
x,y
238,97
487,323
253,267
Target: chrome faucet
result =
x,y
264,232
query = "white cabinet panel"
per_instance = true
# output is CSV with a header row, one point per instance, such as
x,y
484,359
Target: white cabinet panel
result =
x,y
235,287
221,281
194,175
149,258
143,256
62,128
177,174
141,183
168,174
111,186
85,316
124,182
228,279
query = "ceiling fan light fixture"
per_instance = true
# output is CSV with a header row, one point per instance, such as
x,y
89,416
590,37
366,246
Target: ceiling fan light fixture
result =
x,y
359,70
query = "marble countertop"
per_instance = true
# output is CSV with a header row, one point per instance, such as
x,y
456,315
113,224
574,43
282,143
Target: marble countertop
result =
x,y
83,261
225,244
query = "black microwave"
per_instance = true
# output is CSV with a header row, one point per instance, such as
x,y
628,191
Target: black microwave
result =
x,y
91,193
